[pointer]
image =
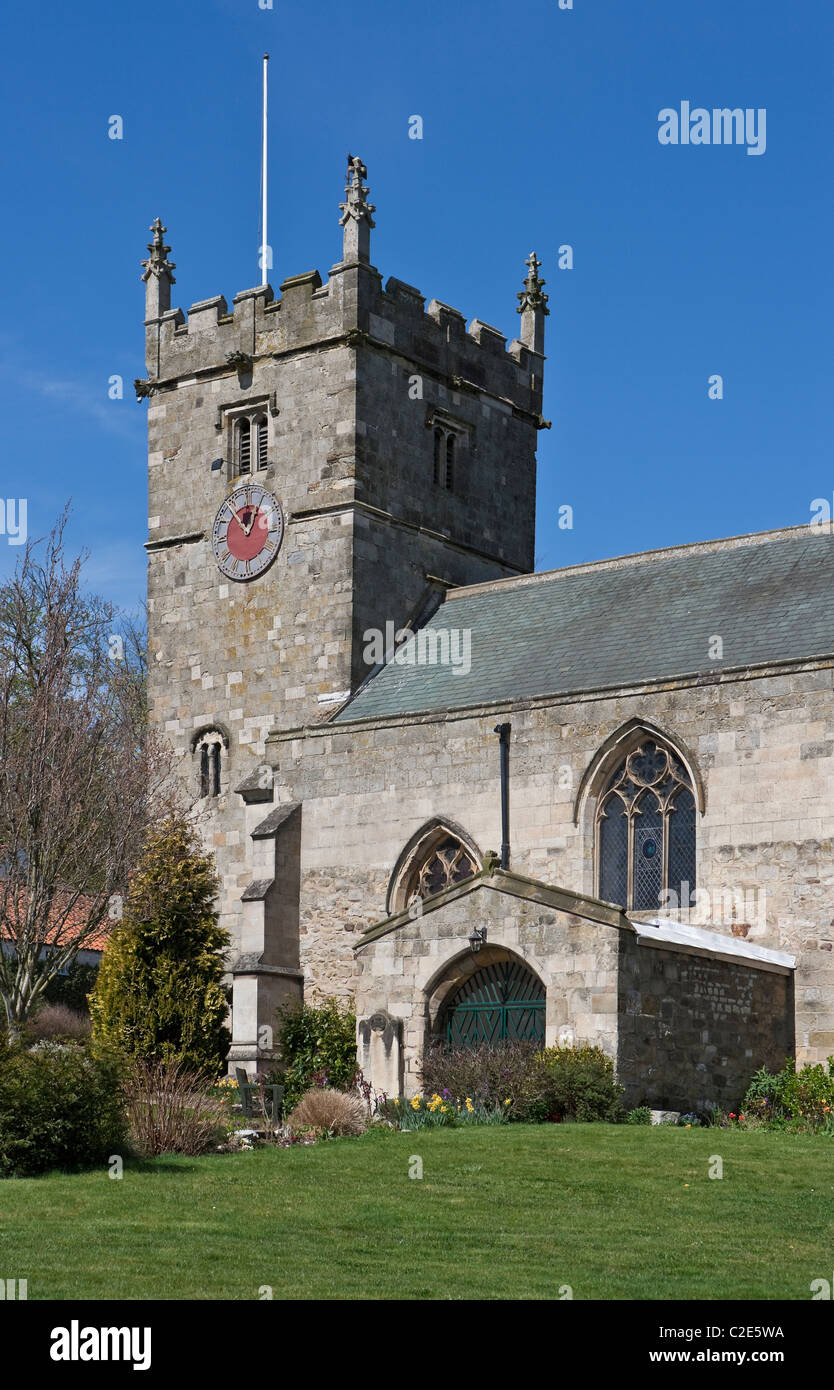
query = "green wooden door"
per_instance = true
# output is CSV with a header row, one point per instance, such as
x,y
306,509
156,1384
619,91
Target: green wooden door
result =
x,y
504,1000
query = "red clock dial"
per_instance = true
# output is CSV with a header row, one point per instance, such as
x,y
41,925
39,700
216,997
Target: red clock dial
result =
x,y
247,532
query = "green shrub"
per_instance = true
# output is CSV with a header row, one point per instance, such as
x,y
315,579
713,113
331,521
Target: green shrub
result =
x,y
59,1108
574,1083
641,1115
799,1100
317,1046
489,1074
158,996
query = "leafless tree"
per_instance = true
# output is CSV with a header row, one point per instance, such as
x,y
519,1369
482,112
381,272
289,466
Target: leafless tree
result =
x,y
80,772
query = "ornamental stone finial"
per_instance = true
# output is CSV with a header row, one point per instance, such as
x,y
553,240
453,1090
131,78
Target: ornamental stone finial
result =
x,y
533,306
158,276
531,296
356,218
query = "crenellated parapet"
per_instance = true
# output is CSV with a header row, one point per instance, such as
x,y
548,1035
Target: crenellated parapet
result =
x,y
352,308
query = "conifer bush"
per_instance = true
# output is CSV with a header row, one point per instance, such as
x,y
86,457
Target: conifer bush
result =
x,y
158,996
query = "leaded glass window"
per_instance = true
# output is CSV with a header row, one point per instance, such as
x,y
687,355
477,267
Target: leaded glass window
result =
x,y
448,863
646,832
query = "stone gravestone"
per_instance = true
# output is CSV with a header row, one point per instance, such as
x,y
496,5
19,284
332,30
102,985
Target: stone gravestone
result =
x,y
379,1046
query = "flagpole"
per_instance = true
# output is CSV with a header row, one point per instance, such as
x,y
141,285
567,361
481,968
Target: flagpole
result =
x,y
264,251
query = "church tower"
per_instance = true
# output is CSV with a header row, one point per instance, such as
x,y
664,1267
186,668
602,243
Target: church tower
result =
x,y
321,465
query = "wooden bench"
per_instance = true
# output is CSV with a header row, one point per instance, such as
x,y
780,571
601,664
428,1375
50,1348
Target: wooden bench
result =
x,y
258,1100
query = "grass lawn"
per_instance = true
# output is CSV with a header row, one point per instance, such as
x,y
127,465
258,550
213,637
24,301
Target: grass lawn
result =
x,y
501,1212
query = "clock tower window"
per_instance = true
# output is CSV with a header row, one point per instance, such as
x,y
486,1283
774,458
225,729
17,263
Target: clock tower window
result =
x,y
243,446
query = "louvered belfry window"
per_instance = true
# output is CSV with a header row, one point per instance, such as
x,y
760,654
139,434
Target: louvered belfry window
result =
x,y
450,462
244,447
438,454
645,832
261,427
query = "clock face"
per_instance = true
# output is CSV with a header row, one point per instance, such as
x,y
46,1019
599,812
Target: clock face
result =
x,y
247,533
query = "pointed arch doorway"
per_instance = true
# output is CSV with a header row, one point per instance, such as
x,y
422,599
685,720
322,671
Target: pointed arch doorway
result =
x,y
503,1001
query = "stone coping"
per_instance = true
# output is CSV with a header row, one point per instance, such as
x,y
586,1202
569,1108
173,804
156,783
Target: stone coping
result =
x,y
519,886
700,941
253,965
268,828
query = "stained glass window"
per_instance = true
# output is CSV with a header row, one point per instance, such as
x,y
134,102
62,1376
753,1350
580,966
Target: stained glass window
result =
x,y
646,832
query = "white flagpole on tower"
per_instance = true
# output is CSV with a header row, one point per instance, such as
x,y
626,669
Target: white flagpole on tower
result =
x,y
264,244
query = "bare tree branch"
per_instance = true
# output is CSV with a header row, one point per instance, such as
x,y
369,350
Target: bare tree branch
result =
x,y
80,772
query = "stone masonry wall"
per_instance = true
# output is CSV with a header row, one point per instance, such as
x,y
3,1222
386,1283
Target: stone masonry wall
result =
x,y
692,1030
762,746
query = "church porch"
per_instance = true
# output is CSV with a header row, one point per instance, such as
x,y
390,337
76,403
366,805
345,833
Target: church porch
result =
x,y
688,1014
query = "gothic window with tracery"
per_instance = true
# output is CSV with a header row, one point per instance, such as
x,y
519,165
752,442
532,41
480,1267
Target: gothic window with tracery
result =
x,y
645,831
447,863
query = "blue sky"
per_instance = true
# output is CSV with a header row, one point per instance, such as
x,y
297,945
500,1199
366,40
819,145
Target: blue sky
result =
x,y
540,129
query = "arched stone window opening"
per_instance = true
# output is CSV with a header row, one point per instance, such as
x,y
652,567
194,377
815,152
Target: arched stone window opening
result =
x,y
437,858
209,750
645,831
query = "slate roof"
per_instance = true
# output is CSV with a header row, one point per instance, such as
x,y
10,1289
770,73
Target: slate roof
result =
x,y
641,618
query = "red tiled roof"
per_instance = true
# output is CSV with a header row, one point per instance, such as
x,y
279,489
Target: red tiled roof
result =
x,y
71,927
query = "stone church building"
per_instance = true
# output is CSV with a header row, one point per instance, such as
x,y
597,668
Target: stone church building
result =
x,y
592,804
